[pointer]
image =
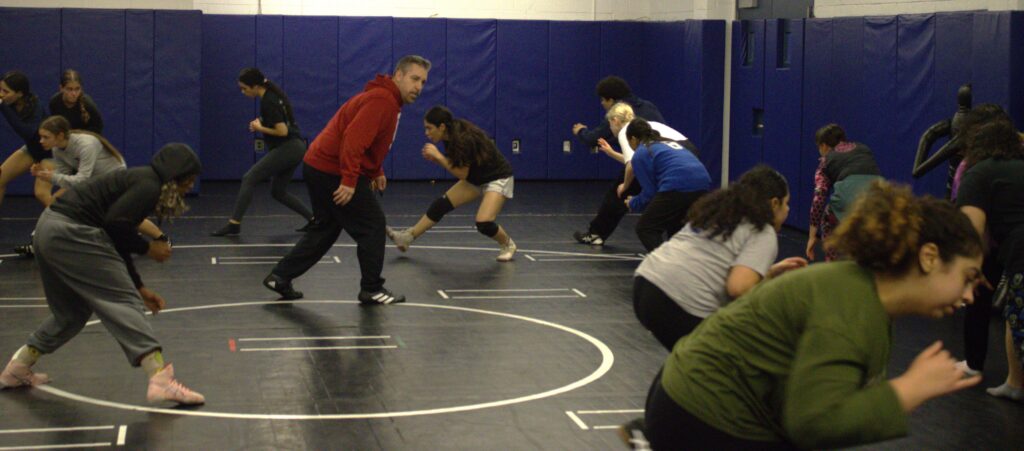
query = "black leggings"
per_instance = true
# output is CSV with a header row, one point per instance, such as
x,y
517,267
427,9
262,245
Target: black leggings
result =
x,y
669,426
278,164
665,215
660,314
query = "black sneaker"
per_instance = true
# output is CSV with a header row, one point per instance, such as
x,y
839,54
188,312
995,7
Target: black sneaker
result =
x,y
380,297
588,238
231,229
282,287
633,435
25,250
309,226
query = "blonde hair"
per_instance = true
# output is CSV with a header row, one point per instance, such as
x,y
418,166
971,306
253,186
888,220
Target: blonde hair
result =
x,y
621,111
171,203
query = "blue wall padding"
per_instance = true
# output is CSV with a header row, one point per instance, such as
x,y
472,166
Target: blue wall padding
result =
x,y
29,42
1016,101
706,44
522,94
783,95
364,50
878,98
818,109
848,70
229,45
573,71
270,47
138,87
471,78
177,61
620,55
665,49
427,38
746,143
919,103
93,43
310,68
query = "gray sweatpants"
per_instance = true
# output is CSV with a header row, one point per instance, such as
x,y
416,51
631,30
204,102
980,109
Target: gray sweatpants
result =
x,y
83,274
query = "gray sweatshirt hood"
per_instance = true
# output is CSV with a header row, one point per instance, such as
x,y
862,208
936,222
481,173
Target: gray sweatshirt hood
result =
x,y
175,161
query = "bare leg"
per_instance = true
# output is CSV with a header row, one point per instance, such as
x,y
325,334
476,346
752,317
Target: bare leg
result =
x,y
1015,376
15,165
43,188
460,193
490,206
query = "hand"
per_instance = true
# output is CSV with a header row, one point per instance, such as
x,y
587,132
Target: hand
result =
x,y
811,242
343,194
379,183
41,172
255,125
431,153
620,189
577,127
159,250
604,146
788,264
626,201
153,301
932,374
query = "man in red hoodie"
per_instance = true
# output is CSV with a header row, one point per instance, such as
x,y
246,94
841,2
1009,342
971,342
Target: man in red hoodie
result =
x,y
342,168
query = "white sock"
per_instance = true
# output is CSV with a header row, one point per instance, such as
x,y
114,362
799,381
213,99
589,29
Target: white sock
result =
x,y
1008,392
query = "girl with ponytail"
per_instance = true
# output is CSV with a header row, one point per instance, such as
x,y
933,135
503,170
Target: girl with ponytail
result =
x,y
671,179
800,360
285,150
72,103
482,170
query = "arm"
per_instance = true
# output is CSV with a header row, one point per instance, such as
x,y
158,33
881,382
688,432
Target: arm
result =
x,y
86,164
26,130
826,404
371,120
280,129
642,163
431,153
122,224
822,185
608,150
940,129
589,136
95,124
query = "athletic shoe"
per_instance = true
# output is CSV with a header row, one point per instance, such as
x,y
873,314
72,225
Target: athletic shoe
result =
x,y
632,434
588,238
384,296
401,239
163,387
282,287
309,226
968,371
507,251
18,374
229,229
25,250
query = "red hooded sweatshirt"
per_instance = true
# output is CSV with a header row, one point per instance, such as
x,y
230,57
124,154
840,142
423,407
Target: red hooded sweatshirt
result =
x,y
358,137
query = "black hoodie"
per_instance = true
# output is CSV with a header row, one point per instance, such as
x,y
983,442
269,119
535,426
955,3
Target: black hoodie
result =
x,y
118,201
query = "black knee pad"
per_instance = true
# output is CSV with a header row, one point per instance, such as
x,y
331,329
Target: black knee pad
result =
x,y
439,208
489,228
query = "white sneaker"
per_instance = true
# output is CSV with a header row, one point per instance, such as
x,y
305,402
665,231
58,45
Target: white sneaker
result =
x,y
507,251
968,372
401,239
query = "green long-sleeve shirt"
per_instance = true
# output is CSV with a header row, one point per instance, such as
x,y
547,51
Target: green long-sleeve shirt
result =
x,y
800,358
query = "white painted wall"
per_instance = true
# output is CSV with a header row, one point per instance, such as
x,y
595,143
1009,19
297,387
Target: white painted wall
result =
x,y
836,8
489,9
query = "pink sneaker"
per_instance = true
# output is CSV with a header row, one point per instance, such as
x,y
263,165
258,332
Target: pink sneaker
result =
x,y
18,374
163,387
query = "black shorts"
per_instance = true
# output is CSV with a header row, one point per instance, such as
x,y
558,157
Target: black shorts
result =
x,y
37,153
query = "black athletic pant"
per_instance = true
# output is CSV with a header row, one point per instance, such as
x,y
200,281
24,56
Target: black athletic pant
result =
x,y
362,218
978,317
665,215
669,426
613,208
660,314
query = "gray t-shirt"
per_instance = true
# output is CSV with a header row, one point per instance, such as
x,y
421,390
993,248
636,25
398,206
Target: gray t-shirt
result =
x,y
82,159
692,269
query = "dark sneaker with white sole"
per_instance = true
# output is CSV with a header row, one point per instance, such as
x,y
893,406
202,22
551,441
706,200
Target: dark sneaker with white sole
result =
x,y
282,287
588,238
25,250
382,297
